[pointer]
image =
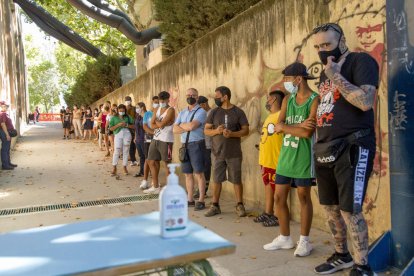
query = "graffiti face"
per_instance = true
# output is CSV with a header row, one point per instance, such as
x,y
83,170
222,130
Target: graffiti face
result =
x,y
369,36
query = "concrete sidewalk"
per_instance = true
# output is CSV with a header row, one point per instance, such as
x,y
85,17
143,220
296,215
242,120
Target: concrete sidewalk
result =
x,y
52,170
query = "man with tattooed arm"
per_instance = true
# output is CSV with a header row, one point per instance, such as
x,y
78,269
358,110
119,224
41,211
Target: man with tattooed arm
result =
x,y
345,146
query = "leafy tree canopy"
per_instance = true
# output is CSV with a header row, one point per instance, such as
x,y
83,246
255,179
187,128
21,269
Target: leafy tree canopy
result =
x,y
109,40
43,88
100,77
184,21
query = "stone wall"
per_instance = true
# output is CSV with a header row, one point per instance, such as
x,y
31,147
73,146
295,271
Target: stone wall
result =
x,y
248,54
12,66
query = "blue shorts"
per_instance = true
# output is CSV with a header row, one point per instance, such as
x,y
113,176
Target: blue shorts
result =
x,y
196,162
294,182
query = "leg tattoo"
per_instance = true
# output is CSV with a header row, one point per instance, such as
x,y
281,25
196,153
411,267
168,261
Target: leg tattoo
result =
x,y
338,227
359,236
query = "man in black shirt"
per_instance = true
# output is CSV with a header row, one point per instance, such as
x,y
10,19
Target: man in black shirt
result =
x,y
345,146
226,125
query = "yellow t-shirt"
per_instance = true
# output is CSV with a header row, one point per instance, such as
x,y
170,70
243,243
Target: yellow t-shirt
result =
x,y
270,143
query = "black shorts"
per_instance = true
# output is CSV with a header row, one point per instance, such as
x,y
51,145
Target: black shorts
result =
x,y
345,184
102,130
67,124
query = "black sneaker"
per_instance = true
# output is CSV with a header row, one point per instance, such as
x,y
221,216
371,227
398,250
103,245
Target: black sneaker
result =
x,y
361,270
335,263
199,206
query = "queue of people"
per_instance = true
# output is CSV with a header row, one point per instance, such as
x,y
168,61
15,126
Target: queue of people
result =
x,y
309,138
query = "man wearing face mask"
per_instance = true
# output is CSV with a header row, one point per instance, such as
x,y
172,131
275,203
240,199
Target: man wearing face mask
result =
x,y
269,150
190,124
149,133
161,145
294,167
132,147
226,124
345,147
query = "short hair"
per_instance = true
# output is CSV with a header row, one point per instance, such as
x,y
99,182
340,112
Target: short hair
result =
x,y
329,26
194,90
202,99
224,91
155,98
278,94
100,106
164,95
106,108
121,106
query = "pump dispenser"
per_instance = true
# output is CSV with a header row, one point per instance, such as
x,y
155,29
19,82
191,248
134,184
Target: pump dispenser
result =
x,y
173,207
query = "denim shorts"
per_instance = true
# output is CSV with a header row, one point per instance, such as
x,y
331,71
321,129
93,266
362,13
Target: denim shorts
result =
x,y
196,162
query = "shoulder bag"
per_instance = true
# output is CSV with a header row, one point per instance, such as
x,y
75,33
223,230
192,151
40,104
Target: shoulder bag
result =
x,y
183,152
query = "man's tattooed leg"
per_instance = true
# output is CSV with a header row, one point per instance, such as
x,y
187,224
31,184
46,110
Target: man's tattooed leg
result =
x,y
338,227
358,230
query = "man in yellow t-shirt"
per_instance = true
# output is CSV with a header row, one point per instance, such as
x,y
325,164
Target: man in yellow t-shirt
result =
x,y
269,149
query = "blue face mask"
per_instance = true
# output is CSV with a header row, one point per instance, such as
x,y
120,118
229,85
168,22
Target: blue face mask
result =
x,y
290,87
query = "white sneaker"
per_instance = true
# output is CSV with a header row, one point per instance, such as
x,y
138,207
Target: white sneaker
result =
x,y
152,190
303,248
144,185
279,243
135,163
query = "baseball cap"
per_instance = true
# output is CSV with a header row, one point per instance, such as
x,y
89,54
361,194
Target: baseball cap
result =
x,y
4,103
297,69
202,99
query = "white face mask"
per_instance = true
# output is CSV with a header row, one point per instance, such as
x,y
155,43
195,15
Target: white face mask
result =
x,y
155,105
121,113
138,110
162,105
290,87
127,102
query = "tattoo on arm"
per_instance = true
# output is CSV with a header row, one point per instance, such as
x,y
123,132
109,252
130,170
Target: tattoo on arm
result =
x,y
362,97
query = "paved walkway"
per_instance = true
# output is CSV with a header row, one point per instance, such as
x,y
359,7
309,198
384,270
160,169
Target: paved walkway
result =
x,y
52,170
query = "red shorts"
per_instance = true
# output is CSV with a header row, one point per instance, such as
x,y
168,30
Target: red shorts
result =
x,y
268,176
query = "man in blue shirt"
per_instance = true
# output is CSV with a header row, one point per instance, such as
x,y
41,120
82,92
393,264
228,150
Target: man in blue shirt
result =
x,y
191,122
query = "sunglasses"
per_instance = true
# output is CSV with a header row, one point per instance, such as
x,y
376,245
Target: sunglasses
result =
x,y
327,26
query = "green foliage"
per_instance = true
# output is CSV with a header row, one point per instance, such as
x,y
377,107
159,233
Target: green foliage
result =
x,y
43,88
109,40
100,77
184,21
70,63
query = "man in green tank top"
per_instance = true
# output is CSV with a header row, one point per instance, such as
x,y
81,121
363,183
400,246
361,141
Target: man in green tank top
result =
x,y
297,122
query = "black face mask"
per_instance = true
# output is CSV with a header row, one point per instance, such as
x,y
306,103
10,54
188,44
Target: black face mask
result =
x,y
191,100
218,102
336,53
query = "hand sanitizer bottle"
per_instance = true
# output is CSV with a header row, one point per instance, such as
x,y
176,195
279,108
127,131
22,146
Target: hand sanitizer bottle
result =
x,y
173,207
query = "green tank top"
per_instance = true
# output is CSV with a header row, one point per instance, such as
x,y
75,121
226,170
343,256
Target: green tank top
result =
x,y
295,158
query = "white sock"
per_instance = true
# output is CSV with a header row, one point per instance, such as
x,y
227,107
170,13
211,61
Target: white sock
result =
x,y
304,238
284,238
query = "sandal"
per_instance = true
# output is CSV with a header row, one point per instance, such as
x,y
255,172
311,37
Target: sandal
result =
x,y
271,221
263,217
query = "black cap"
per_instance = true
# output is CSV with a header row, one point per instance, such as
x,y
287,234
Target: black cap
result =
x,y
163,95
297,69
128,98
202,99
